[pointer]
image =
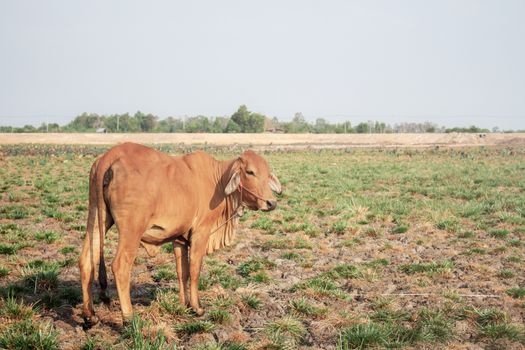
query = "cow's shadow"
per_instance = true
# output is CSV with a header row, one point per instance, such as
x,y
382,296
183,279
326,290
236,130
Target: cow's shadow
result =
x,y
63,302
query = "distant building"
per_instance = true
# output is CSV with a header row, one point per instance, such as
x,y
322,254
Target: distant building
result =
x,y
271,126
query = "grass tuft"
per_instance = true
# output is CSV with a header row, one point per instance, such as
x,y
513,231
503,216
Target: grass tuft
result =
x,y
13,309
252,301
139,335
193,327
29,335
516,293
430,268
285,332
301,306
47,236
500,233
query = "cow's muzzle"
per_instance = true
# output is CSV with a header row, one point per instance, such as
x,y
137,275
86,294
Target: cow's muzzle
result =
x,y
270,205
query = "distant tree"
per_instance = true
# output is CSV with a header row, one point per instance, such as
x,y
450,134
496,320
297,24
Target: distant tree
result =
x,y
362,128
52,127
169,125
122,123
199,123
241,121
321,126
219,124
139,116
26,128
416,127
248,121
297,125
255,123
232,127
471,129
148,122
276,124
241,117
110,123
342,128
84,122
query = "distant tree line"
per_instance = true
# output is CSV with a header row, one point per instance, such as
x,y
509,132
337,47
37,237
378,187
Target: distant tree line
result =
x,y
242,121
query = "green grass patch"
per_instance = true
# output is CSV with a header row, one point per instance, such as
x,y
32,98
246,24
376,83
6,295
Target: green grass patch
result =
x,y
251,301
167,248
67,250
264,223
42,278
27,334
14,212
500,233
506,273
516,293
339,227
219,316
165,273
9,249
14,309
219,273
429,268
192,327
396,329
286,332
170,304
303,307
4,271
253,265
138,335
400,229
47,236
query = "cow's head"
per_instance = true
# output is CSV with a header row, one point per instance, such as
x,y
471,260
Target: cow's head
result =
x,y
251,175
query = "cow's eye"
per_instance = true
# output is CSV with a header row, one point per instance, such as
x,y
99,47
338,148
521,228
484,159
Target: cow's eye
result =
x,y
249,172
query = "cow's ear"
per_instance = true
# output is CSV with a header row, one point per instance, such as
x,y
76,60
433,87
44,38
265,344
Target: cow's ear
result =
x,y
233,183
274,183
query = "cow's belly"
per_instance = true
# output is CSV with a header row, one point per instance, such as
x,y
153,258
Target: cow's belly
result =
x,y
157,234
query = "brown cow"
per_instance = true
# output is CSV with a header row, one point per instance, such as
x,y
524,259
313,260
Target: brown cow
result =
x,y
192,201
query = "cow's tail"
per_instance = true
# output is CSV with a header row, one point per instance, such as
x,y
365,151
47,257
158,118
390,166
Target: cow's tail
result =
x,y
102,179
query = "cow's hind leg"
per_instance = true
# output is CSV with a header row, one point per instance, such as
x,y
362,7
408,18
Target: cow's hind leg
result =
x,y
87,263
182,260
129,241
102,276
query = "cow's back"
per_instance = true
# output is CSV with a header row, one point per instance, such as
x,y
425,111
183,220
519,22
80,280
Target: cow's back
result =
x,y
149,188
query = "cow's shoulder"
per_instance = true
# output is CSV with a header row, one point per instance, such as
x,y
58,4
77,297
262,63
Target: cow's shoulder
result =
x,y
199,160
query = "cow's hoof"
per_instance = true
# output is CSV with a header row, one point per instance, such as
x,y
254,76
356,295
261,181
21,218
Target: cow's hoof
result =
x,y
127,320
198,311
89,322
105,299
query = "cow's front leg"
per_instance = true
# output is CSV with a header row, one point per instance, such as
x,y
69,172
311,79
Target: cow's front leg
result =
x,y
197,252
182,260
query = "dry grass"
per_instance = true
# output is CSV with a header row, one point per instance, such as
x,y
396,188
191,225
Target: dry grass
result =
x,y
351,226
295,141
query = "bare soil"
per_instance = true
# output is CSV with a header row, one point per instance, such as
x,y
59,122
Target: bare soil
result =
x,y
271,141
372,192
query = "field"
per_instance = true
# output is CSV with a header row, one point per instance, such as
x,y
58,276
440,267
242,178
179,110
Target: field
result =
x,y
266,141
368,248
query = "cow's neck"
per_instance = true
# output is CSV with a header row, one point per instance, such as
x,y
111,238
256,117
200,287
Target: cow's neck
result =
x,y
232,201
224,231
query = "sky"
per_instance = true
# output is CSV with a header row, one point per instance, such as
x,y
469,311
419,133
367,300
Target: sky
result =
x,y
452,62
